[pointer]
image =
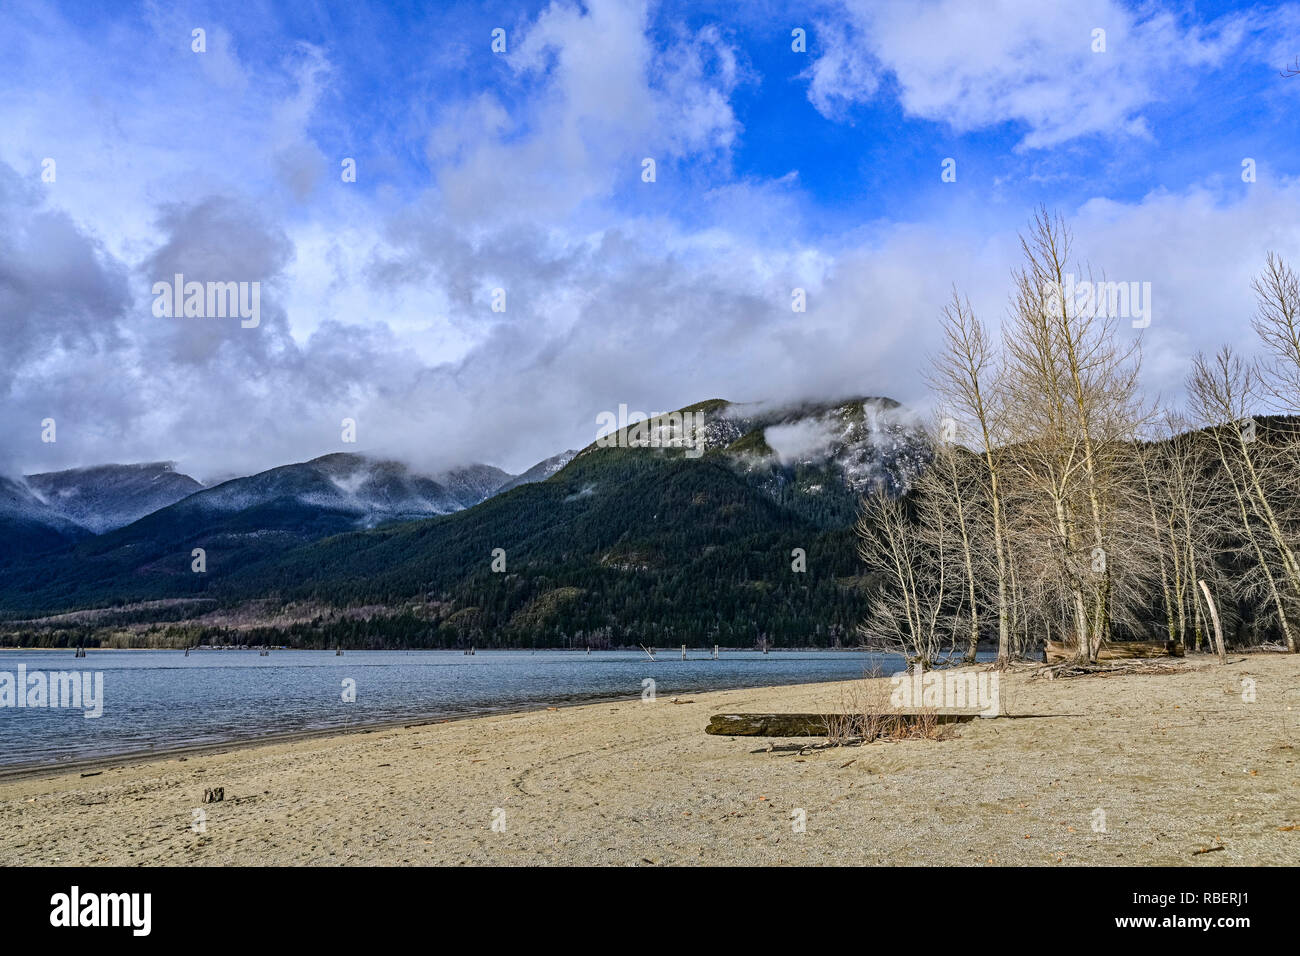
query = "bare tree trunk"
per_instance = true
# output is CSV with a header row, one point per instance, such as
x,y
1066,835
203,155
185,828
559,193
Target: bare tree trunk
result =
x,y
1157,532
1214,615
950,465
965,374
1074,400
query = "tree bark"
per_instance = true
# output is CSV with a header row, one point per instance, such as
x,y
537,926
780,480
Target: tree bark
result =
x,y
1214,616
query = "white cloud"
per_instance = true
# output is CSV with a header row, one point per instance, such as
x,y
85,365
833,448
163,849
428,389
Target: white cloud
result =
x,y
807,440
975,65
375,302
601,98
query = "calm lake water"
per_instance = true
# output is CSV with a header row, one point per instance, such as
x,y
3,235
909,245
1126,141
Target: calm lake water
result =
x,y
158,700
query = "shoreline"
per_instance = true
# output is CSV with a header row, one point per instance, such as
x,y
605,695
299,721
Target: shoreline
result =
x,y
80,765
702,649
22,771
1173,765
15,772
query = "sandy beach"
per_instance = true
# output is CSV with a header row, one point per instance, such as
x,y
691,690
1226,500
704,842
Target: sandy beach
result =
x,y
1116,769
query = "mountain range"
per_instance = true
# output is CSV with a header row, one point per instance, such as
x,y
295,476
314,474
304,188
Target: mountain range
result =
x,y
104,497
53,508
618,544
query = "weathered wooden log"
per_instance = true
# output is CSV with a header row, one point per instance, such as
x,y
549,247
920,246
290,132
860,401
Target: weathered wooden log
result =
x,y
812,725
1118,650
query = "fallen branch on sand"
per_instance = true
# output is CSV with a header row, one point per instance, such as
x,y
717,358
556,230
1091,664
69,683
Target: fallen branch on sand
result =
x,y
1138,666
817,725
1058,653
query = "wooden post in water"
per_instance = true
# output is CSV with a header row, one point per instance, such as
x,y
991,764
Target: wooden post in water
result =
x,y
683,652
1214,616
715,652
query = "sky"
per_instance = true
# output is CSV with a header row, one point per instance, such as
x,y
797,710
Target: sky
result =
x,y
127,156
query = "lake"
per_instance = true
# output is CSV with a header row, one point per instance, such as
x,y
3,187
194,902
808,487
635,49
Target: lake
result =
x,y
160,700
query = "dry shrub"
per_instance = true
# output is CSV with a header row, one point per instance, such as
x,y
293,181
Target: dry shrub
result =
x,y
865,714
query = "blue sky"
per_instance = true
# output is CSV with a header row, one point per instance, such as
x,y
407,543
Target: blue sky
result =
x,y
775,169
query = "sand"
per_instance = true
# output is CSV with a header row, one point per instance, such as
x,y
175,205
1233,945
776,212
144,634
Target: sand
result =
x,y
1176,762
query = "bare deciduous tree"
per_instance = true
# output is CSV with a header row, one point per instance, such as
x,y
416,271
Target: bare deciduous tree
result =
x,y
966,375
1223,391
1057,502
1074,385
907,613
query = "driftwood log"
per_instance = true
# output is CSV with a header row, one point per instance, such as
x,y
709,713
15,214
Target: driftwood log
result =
x,y
1118,650
809,725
